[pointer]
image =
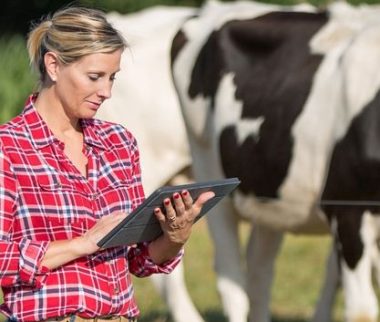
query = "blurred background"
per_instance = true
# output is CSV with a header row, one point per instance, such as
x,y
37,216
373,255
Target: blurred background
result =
x,y
301,263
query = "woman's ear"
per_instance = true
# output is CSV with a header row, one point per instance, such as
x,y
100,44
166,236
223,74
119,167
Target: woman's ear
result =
x,y
51,65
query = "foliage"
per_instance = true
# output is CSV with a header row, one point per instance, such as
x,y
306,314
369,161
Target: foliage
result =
x,y
126,6
16,81
15,15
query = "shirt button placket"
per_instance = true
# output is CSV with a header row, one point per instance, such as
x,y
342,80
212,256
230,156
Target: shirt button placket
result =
x,y
113,284
93,197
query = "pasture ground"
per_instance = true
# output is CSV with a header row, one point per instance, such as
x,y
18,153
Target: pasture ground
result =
x,y
300,268
299,272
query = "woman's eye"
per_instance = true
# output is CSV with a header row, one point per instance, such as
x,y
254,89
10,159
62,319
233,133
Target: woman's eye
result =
x,y
93,77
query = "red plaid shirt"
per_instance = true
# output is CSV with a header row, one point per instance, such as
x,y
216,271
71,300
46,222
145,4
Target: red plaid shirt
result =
x,y
43,198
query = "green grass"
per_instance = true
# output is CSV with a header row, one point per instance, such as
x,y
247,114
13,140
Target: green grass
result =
x,y
300,268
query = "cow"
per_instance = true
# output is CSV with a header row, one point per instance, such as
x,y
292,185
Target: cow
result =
x,y
143,99
287,99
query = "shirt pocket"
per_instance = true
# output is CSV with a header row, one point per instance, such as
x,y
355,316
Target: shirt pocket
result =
x,y
116,192
67,208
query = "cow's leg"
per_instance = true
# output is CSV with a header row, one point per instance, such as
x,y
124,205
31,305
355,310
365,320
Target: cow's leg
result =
x,y
223,226
360,298
173,290
262,249
359,295
326,300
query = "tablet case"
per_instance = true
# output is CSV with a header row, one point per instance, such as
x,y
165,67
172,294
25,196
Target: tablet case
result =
x,y
141,224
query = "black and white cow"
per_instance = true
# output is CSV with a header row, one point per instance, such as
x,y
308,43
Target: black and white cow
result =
x,y
288,100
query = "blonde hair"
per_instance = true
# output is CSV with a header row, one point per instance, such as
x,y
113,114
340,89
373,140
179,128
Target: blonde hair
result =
x,y
72,33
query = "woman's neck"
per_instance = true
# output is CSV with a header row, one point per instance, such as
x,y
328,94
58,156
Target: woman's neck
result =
x,y
53,113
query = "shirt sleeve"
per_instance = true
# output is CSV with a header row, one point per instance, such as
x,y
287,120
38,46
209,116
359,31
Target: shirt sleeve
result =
x,y
141,265
19,261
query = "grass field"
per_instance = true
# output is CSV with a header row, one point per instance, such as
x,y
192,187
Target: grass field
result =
x,y
300,268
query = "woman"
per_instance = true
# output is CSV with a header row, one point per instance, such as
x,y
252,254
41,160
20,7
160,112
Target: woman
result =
x,y
66,179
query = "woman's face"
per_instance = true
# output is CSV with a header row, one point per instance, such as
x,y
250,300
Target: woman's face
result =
x,y
81,87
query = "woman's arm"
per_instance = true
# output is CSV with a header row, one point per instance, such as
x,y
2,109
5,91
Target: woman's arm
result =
x,y
19,261
64,251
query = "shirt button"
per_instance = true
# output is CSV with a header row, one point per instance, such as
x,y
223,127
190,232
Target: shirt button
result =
x,y
116,290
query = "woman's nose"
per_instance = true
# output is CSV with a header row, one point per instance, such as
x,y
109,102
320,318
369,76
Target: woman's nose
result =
x,y
105,91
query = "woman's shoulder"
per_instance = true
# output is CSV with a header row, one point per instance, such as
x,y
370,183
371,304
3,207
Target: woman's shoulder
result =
x,y
13,127
12,134
14,123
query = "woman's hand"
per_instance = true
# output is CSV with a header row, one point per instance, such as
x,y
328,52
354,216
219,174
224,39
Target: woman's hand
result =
x,y
176,223
102,227
63,251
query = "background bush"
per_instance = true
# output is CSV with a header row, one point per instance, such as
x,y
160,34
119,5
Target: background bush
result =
x,y
15,15
16,80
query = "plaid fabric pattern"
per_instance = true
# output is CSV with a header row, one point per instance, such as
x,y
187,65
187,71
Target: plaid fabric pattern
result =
x,y
44,198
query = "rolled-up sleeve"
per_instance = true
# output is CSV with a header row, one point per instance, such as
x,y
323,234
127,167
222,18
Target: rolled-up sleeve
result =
x,y
141,264
20,261
30,270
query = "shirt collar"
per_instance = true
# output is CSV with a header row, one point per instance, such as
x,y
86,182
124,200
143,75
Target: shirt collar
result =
x,y
42,136
93,134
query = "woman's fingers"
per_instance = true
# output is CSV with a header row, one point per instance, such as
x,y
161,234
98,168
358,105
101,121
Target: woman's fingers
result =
x,y
201,200
187,199
182,205
102,227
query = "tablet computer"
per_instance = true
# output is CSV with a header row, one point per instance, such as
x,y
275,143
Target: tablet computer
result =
x,y
141,224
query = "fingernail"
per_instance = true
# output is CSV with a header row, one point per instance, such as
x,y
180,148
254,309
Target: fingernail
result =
x,y
176,195
167,202
157,210
184,193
